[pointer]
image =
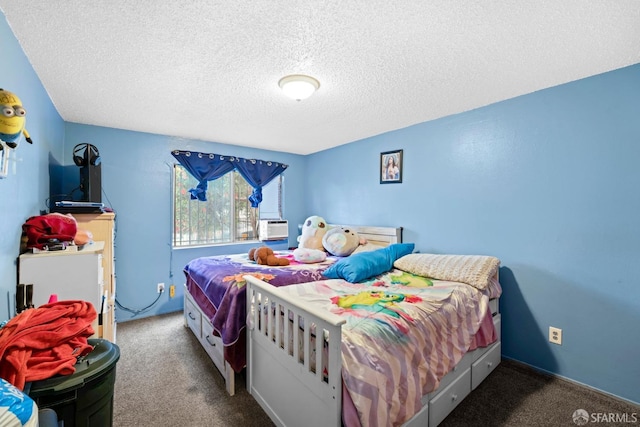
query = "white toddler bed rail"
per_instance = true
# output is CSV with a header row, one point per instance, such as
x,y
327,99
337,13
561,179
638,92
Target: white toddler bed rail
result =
x,y
282,374
278,354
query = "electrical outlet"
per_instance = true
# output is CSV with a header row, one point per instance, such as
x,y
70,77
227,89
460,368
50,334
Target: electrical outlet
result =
x,y
555,335
172,291
160,288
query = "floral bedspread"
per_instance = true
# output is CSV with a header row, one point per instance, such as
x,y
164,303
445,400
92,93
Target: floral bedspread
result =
x,y
221,280
403,334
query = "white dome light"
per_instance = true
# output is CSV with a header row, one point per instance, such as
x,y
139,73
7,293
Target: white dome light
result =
x,y
298,86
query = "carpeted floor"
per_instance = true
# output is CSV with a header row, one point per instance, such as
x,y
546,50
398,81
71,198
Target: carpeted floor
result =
x,y
516,395
164,378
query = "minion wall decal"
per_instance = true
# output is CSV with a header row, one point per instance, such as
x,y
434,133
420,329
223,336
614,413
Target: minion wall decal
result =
x,y
12,119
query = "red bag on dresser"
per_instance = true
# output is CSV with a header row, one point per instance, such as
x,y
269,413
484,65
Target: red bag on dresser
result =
x,y
41,229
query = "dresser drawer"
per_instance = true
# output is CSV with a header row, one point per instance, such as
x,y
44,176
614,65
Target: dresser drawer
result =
x,y
192,315
481,368
212,345
442,404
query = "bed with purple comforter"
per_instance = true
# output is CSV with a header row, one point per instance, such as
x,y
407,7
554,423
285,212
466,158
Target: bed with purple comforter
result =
x,y
217,286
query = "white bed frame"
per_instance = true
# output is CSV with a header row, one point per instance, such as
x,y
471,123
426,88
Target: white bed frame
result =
x,y
293,395
201,326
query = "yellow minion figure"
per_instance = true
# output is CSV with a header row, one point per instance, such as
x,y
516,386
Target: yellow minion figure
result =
x,y
12,119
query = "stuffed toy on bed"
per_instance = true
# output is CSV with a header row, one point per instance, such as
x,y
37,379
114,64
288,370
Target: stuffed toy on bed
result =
x,y
342,241
313,230
264,255
309,256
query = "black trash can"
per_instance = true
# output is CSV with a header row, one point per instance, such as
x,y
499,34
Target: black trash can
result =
x,y
84,398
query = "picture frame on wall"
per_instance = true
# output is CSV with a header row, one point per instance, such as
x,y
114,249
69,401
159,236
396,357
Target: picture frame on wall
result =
x,y
391,167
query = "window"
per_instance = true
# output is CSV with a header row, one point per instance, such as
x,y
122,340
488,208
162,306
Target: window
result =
x,y
226,216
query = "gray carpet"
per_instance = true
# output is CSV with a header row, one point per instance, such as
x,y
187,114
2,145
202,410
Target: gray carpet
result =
x,y
164,378
516,395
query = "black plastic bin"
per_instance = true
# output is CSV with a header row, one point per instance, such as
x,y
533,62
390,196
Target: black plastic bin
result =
x,y
84,398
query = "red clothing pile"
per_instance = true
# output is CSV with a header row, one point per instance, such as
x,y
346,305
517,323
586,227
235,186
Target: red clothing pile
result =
x,y
45,341
42,228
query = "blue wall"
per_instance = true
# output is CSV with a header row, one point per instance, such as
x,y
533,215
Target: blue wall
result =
x,y
548,182
24,191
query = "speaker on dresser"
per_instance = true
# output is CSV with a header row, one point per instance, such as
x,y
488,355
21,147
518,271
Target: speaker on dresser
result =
x,y
87,157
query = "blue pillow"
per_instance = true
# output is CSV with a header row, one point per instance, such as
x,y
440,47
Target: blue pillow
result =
x,y
361,266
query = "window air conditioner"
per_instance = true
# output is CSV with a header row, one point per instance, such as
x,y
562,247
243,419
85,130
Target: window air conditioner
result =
x,y
274,229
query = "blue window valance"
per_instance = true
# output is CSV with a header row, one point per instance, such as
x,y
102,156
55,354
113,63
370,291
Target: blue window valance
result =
x,y
207,167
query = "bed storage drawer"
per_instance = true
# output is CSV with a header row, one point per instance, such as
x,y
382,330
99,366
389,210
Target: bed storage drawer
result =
x,y
479,352
444,402
192,315
494,306
421,419
212,345
201,327
497,321
485,365
462,366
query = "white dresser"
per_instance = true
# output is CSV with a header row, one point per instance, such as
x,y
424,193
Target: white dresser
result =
x,y
70,275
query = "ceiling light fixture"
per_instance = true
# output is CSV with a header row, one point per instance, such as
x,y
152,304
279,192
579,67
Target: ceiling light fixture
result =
x,y
298,86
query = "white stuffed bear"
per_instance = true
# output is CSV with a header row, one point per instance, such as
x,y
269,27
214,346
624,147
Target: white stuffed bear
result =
x,y
342,241
313,230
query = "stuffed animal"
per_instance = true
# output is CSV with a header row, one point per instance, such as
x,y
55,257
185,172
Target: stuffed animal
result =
x,y
12,119
313,230
309,256
82,237
341,241
264,255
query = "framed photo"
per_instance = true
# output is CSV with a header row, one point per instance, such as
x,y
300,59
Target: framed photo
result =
x,y
391,167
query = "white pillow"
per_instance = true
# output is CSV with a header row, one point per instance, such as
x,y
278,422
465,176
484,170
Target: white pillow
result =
x,y
474,270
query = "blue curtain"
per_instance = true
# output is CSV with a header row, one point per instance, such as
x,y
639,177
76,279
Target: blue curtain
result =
x,y
207,167
258,173
204,167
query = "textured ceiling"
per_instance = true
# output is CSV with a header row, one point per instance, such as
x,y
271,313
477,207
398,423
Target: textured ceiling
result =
x,y
209,70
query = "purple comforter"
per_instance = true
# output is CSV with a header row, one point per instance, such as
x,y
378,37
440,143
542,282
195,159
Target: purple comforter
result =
x,y
221,280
